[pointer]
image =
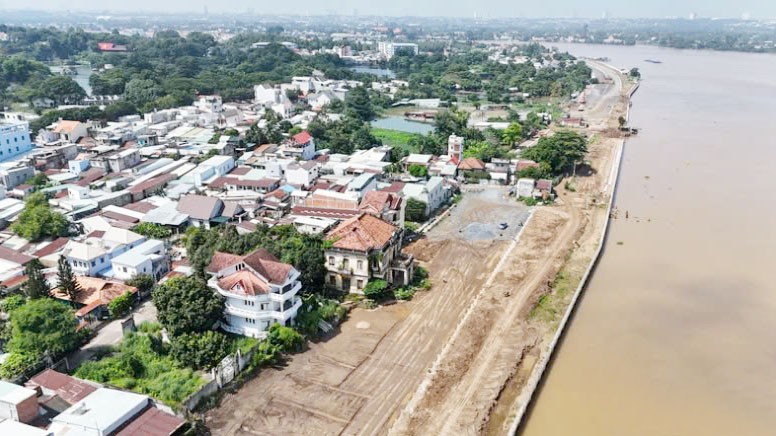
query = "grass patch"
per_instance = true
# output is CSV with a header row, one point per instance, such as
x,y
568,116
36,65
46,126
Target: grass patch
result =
x,y
551,305
141,363
395,138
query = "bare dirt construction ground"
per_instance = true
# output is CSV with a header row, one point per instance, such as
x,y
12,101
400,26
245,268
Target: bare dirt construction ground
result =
x,y
452,360
356,382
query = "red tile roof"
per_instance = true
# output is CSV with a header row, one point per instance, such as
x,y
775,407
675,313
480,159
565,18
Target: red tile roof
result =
x,y
14,256
302,138
362,233
471,163
89,176
52,247
244,282
377,201
152,422
260,260
70,389
153,182
240,171
140,206
119,216
523,164
394,187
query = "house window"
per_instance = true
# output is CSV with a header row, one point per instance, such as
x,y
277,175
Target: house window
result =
x,y
332,280
264,306
331,260
345,263
360,265
359,284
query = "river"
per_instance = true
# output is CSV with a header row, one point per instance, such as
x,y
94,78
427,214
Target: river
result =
x,y
675,332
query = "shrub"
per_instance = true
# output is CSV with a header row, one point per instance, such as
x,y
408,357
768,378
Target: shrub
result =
x,y
375,288
418,170
12,302
153,230
143,282
121,305
199,350
16,364
529,201
404,293
149,327
286,339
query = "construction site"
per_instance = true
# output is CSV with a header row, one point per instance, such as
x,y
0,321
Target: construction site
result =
x,y
455,359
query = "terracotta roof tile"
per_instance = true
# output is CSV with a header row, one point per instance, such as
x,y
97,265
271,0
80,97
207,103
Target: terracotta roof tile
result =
x,y
362,233
471,163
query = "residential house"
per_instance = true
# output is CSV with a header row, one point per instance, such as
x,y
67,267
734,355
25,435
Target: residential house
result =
x,y
471,167
423,160
92,255
543,189
387,206
499,170
525,188
302,174
362,184
363,248
321,99
92,302
13,174
211,169
17,403
455,148
14,139
150,258
259,290
202,211
300,146
65,131
433,193
123,160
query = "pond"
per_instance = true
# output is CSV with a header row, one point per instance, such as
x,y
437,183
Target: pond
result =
x,y
82,78
400,124
381,72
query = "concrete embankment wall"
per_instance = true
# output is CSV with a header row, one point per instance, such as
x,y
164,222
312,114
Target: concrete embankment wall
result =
x,y
529,391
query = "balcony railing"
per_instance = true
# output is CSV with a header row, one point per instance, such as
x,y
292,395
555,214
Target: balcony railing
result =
x,y
288,313
285,293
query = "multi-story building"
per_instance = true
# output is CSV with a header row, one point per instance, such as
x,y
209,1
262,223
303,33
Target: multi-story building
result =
x,y
390,49
13,174
14,139
455,148
150,258
92,255
365,247
259,290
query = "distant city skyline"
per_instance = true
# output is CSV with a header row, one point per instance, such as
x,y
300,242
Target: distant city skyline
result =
x,y
755,9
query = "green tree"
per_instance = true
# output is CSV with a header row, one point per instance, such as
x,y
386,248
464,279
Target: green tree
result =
x,y
416,210
187,305
43,326
559,151
143,282
199,350
39,180
357,100
119,109
67,282
61,89
17,364
152,230
512,134
38,221
36,285
418,170
121,305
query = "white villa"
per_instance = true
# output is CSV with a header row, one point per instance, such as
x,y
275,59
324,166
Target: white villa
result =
x,y
259,290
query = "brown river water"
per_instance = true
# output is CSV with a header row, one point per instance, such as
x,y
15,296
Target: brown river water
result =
x,y
676,332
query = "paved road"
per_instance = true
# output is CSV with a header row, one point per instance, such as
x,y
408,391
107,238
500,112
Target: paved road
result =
x,y
111,334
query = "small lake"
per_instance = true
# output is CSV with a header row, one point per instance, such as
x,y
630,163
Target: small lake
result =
x,y
399,123
381,72
82,78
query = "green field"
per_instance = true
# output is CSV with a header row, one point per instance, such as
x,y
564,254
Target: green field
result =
x,y
395,138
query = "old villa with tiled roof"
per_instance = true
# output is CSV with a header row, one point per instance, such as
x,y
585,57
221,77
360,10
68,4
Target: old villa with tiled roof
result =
x,y
366,247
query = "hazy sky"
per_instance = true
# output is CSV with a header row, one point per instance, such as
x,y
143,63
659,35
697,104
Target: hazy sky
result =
x,y
459,8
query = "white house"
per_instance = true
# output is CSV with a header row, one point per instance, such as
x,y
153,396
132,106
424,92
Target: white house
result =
x,y
302,174
433,193
259,290
362,184
65,131
300,146
211,169
150,258
93,254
